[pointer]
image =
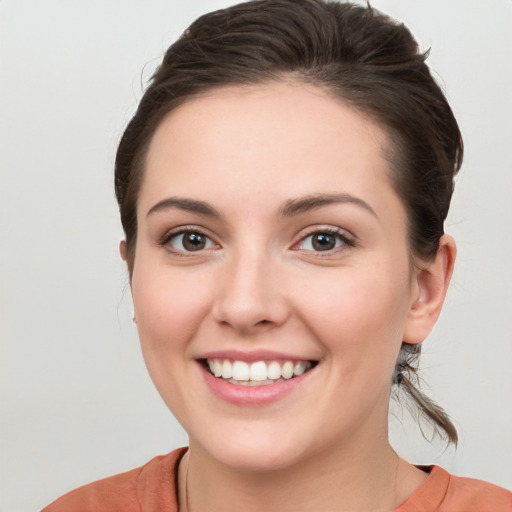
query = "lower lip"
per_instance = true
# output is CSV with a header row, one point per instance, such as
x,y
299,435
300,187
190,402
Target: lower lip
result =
x,y
252,395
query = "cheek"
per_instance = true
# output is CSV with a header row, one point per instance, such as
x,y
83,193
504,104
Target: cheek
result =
x,y
169,306
359,313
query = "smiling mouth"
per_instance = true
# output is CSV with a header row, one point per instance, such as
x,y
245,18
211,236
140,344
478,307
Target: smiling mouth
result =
x,y
258,373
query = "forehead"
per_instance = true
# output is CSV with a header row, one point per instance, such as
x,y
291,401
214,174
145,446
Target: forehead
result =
x,y
272,140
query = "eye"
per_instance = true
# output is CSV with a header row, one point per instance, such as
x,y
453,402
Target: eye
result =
x,y
322,241
190,241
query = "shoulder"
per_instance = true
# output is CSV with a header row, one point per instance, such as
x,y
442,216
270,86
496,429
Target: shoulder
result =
x,y
476,496
150,487
443,492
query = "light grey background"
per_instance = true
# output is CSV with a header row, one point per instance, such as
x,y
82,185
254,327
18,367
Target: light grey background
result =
x,y
76,402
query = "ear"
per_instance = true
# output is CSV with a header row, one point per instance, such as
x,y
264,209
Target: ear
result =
x,y
429,290
123,250
124,255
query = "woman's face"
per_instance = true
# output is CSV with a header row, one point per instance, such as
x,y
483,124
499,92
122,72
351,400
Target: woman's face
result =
x,y
270,240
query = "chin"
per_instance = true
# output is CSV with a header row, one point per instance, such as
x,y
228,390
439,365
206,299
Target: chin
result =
x,y
253,449
256,459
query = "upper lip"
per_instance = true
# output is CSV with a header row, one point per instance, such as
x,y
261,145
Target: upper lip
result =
x,y
252,356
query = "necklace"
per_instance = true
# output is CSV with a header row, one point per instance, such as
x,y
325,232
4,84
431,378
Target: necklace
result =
x,y
187,508
183,485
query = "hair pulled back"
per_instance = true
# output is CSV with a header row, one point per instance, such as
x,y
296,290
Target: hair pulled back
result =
x,y
354,53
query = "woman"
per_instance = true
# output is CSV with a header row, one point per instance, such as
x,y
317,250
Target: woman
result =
x,y
283,187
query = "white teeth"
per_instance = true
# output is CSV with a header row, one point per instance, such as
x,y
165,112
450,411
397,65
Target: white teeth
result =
x,y
227,369
215,367
274,370
287,370
240,371
259,371
252,383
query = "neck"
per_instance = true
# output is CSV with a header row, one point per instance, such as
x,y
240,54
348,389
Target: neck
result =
x,y
346,479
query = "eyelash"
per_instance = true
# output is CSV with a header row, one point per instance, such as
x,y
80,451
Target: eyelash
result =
x,y
184,230
338,234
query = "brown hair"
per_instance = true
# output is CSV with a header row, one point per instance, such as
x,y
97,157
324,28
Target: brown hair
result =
x,y
359,56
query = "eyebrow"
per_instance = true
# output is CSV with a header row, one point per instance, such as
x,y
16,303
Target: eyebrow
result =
x,y
188,205
288,209
314,201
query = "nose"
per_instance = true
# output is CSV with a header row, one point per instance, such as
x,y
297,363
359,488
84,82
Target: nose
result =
x,y
250,296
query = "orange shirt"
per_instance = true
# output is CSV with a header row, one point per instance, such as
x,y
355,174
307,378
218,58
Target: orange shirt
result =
x,y
152,488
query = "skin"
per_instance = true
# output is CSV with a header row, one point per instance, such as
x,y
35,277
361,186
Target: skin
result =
x,y
259,284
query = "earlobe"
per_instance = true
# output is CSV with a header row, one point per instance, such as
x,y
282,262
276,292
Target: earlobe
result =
x,y
431,284
122,249
124,255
